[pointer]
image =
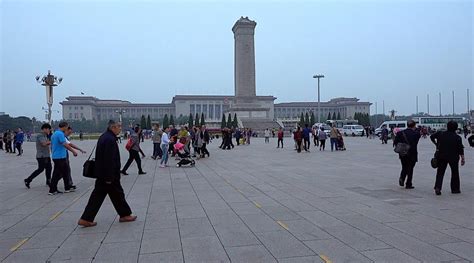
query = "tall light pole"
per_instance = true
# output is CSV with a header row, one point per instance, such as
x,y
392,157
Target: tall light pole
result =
x,y
440,104
49,81
453,102
417,105
468,106
428,103
120,112
319,76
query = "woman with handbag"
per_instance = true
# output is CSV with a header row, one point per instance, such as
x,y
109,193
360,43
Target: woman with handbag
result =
x,y
450,151
406,143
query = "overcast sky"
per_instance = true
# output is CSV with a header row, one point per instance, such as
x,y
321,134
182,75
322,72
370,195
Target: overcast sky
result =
x,y
148,51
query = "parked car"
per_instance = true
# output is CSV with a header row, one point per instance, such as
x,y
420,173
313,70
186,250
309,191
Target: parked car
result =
x,y
354,130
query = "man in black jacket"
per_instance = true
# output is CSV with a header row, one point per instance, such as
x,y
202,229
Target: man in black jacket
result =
x,y
107,170
205,141
450,150
411,136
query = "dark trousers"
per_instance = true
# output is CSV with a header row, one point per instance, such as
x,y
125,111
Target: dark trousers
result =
x,y
60,172
43,164
237,140
298,145
407,170
315,140
133,155
322,144
442,165
157,150
18,146
1,144
69,175
307,144
101,190
204,150
333,144
280,141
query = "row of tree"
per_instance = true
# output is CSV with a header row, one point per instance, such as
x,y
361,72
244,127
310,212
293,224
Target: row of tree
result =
x,y
229,123
363,118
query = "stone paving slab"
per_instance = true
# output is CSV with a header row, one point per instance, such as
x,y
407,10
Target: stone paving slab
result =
x,y
251,204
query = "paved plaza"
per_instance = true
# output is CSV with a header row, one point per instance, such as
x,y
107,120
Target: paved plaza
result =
x,y
252,204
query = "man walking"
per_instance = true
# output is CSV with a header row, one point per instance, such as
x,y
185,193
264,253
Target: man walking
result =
x,y
333,138
107,170
450,150
42,155
410,136
68,133
205,141
134,150
156,138
267,136
306,137
280,138
19,139
59,147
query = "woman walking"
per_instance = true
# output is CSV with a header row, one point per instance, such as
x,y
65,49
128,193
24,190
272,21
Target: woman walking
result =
x,y
133,147
165,141
322,139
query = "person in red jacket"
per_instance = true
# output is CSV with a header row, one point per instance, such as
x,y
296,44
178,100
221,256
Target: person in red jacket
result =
x,y
298,136
280,137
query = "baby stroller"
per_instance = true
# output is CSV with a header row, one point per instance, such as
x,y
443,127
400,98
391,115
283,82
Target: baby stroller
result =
x,y
340,143
185,156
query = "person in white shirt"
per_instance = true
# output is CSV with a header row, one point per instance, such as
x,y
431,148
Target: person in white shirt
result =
x,y
267,136
165,141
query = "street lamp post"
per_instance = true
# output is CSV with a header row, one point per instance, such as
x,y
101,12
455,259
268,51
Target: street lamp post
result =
x,y
319,76
120,112
49,81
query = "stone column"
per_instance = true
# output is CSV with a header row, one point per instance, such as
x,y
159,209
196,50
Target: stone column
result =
x,y
244,60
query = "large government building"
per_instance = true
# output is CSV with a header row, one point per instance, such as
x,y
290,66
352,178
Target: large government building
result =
x,y
253,111
92,108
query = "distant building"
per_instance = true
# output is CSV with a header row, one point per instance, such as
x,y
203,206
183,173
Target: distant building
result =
x,y
346,107
92,108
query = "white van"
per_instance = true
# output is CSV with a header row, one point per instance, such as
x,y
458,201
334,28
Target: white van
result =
x,y
354,130
401,125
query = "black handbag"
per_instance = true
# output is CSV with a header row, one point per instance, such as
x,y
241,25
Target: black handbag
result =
x,y
89,166
402,148
434,160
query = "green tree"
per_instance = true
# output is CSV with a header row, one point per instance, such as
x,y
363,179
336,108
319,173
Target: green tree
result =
x,y
203,121
334,116
235,123
312,119
190,120
338,115
171,119
223,122
301,123
143,122
148,122
329,116
166,121
197,119
306,118
229,121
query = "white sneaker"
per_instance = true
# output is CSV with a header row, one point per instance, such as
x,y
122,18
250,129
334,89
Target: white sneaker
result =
x,y
162,166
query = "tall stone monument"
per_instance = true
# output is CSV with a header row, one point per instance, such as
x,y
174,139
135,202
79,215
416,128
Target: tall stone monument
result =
x,y
247,105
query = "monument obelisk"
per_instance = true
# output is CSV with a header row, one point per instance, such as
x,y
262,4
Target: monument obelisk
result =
x,y
246,103
244,60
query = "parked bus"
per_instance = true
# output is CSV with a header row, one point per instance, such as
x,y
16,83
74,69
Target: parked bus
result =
x,y
439,123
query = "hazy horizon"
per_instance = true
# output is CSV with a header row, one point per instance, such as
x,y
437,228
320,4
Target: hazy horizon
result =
x,y
147,52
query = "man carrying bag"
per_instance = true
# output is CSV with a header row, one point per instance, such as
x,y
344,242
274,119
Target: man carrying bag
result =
x,y
107,171
405,144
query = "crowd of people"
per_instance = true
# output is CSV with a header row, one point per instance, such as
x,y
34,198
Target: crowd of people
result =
x,y
12,141
54,147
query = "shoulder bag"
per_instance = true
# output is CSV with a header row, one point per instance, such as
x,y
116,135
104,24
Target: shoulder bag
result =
x,y
402,148
89,166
